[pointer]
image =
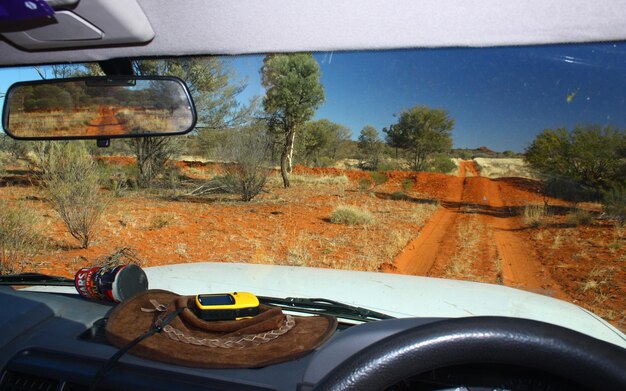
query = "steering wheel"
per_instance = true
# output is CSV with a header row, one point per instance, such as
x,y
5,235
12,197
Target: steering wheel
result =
x,y
552,349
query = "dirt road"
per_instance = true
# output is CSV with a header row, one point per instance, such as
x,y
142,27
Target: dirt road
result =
x,y
475,235
105,123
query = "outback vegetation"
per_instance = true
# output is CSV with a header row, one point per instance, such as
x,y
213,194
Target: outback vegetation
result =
x,y
268,182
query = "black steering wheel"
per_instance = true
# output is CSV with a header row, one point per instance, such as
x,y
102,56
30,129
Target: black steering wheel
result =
x,y
555,350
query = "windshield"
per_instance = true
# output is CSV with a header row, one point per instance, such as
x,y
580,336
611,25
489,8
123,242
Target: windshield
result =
x,y
498,165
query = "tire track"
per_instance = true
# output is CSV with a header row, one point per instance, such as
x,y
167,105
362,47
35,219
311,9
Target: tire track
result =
x,y
500,240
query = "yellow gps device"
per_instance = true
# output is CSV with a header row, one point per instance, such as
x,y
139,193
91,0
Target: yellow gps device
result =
x,y
226,306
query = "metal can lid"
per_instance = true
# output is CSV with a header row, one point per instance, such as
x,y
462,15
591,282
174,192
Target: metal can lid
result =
x,y
130,280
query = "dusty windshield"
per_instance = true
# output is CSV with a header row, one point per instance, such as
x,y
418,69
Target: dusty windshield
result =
x,y
502,166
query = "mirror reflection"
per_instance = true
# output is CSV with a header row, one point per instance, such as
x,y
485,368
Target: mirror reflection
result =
x,y
98,107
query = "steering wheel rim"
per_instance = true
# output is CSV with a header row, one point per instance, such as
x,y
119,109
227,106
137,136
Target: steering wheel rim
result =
x,y
520,342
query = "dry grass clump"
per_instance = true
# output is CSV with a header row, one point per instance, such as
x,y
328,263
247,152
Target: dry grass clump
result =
x,y
422,212
503,167
351,215
56,121
20,237
597,281
121,256
462,265
534,215
579,217
319,180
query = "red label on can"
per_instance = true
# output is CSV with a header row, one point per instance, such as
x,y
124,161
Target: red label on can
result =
x,y
97,282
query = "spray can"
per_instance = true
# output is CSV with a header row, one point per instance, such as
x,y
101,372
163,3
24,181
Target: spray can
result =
x,y
110,283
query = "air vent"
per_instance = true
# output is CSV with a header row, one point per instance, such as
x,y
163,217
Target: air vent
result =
x,y
16,381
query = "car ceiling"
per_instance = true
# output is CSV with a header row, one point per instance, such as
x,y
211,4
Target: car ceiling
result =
x,y
191,27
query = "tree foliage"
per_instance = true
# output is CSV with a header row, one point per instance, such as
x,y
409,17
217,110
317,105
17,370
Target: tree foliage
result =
x,y
210,83
293,93
591,156
320,141
371,147
422,132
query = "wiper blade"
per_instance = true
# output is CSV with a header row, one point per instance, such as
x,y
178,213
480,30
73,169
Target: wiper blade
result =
x,y
34,279
324,306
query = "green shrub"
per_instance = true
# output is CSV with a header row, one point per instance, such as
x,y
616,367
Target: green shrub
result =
x,y
172,177
119,178
442,164
407,184
351,215
399,196
614,202
20,237
386,165
379,178
365,184
568,190
588,155
72,181
579,217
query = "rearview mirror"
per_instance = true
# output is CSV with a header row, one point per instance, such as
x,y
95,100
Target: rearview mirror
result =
x,y
98,108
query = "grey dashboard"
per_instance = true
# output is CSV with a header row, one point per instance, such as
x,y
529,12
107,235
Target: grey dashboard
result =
x,y
56,341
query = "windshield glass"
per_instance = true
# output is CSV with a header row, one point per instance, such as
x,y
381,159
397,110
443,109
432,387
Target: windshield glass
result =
x,y
498,165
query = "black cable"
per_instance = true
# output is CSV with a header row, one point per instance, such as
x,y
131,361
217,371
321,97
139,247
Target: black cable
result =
x,y
115,358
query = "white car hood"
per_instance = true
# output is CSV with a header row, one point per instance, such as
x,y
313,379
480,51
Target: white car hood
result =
x,y
393,294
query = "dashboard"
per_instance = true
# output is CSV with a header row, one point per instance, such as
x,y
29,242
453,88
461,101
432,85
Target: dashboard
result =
x,y
56,341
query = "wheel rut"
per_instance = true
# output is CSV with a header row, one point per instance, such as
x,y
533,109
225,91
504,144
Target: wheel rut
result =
x,y
499,253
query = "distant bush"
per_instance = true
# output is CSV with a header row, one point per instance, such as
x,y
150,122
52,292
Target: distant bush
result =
x,y
388,165
371,148
20,237
379,178
365,184
17,149
3,162
591,156
534,215
442,163
399,196
119,178
248,154
351,215
172,177
152,153
407,184
72,181
569,190
614,202
579,217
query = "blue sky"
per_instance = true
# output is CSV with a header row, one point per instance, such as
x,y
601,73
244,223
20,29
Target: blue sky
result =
x,y
500,98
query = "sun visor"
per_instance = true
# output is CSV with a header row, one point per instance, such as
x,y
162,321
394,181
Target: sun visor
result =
x,y
82,24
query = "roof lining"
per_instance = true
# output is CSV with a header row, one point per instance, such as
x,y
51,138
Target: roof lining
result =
x,y
232,27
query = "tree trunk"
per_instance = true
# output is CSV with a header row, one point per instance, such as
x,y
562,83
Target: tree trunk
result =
x,y
285,157
283,168
291,137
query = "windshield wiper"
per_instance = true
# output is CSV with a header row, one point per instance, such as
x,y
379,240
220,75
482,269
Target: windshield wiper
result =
x,y
304,305
35,279
324,306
